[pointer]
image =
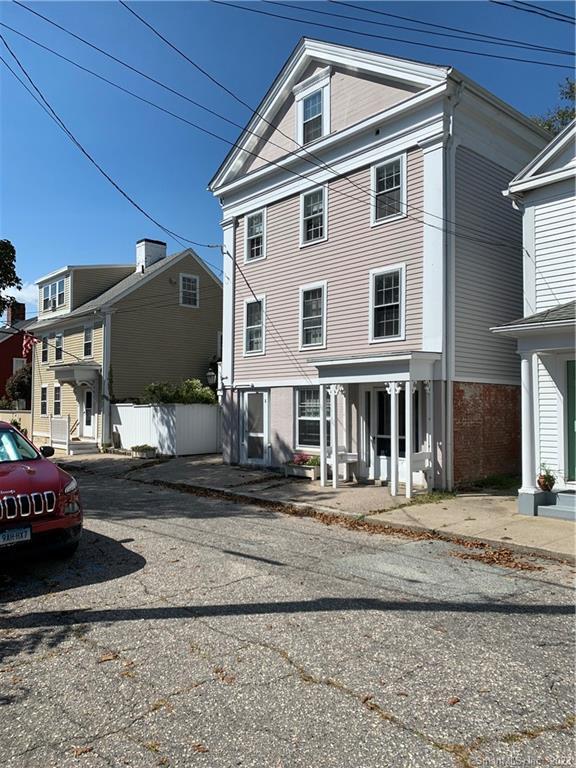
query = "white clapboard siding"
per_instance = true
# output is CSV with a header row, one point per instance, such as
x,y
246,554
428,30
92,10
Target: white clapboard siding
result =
x,y
555,252
548,419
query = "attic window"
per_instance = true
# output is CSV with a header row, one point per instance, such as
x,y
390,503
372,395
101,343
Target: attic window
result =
x,y
313,106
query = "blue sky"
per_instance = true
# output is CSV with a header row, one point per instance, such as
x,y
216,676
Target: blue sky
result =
x,y
57,209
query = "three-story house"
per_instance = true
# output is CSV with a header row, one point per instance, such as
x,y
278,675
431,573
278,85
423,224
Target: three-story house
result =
x,y
368,251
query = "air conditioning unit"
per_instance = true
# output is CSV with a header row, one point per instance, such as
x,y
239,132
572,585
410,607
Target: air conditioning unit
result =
x,y
52,304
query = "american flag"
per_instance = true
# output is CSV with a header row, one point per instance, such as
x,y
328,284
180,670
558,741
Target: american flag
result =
x,y
28,342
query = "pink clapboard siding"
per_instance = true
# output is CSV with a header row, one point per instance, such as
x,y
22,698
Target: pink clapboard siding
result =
x,y
344,260
352,99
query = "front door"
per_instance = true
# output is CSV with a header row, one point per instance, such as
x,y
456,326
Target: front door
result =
x,y
571,420
87,415
255,428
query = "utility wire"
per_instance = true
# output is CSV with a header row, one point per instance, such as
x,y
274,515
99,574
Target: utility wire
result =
x,y
85,152
536,12
388,25
373,35
546,10
494,38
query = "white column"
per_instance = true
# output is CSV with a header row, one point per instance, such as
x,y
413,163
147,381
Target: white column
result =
x,y
322,435
430,447
346,426
393,390
408,441
334,390
528,453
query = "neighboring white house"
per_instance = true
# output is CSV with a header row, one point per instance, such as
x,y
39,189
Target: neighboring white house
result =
x,y
545,192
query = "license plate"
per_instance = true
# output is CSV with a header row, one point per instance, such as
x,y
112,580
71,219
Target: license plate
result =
x,y
14,536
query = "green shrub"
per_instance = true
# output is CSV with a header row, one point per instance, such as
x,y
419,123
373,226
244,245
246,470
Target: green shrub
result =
x,y
188,391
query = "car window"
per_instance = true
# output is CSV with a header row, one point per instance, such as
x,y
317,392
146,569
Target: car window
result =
x,y
13,447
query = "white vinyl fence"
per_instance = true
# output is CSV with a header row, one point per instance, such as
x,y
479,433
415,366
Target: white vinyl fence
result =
x,y
60,432
174,430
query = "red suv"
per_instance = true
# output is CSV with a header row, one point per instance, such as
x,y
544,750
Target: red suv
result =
x,y
39,503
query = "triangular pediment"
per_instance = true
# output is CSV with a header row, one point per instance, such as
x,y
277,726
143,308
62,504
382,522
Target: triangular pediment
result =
x,y
557,158
362,83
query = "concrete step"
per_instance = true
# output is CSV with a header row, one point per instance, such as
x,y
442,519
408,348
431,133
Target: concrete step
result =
x,y
566,499
558,511
82,448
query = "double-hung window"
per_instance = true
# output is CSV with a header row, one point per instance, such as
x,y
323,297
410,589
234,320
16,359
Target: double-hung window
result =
x,y
58,346
88,333
387,289
189,291
53,295
254,327
313,315
44,400
57,411
389,190
313,215
255,236
312,117
308,418
44,352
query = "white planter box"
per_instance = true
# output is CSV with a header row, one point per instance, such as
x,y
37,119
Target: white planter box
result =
x,y
301,470
151,454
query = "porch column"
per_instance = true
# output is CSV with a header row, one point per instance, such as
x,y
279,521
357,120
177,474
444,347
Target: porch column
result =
x,y
430,432
334,390
528,452
322,435
393,389
408,438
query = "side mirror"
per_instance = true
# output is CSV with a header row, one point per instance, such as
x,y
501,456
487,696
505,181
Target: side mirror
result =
x,y
46,451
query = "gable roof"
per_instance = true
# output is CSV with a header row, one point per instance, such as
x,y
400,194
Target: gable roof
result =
x,y
406,71
562,314
7,331
129,284
534,175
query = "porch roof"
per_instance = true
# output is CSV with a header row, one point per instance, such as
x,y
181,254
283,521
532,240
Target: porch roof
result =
x,y
386,366
552,330
80,372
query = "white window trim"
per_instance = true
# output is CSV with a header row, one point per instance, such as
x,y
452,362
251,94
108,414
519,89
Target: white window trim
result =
x,y
195,277
252,300
311,286
59,388
381,271
403,197
306,244
311,449
15,360
248,215
91,355
56,335
45,339
44,389
318,82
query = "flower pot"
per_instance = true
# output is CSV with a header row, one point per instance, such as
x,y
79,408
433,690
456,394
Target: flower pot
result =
x,y
545,483
149,454
302,470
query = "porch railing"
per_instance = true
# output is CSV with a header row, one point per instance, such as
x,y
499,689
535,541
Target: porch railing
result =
x,y
60,432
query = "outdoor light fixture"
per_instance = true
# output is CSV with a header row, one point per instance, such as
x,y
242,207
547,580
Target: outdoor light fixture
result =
x,y
211,377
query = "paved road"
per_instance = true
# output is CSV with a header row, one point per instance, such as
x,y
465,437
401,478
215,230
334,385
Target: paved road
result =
x,y
195,632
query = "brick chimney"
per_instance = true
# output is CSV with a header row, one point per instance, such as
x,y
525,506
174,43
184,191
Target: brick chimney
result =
x,y
15,312
148,252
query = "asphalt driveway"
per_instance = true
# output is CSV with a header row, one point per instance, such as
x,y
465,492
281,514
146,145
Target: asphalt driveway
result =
x,y
198,632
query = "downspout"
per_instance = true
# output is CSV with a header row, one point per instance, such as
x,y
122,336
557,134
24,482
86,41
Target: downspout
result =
x,y
106,350
449,287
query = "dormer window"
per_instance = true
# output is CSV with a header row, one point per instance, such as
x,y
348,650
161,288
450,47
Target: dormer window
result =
x,y
53,296
313,106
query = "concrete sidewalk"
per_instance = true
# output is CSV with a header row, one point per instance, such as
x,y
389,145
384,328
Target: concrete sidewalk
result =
x,y
490,518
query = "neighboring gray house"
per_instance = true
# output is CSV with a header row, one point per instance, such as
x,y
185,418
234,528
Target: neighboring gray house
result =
x,y
545,193
369,251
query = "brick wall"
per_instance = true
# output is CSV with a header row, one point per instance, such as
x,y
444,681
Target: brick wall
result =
x,y
486,430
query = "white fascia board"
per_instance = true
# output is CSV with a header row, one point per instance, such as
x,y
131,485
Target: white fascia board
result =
x,y
548,153
408,105
363,151
517,187
64,322
75,267
355,59
533,328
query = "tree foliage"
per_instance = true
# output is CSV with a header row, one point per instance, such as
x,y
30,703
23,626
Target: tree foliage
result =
x,y
8,276
188,391
19,386
555,120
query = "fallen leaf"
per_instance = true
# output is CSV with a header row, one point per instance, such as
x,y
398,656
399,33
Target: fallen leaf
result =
x,y
199,747
108,657
453,700
78,751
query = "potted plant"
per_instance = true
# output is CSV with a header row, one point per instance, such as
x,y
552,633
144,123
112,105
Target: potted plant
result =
x,y
546,479
304,465
143,452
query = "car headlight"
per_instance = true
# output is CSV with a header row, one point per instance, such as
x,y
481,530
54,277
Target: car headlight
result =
x,y
72,486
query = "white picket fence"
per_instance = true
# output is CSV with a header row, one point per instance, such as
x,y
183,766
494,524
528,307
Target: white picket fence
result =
x,y
174,430
60,432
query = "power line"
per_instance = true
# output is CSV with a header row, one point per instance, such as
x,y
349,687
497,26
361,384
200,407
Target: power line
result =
x,y
530,9
373,35
438,26
388,24
546,10
85,152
